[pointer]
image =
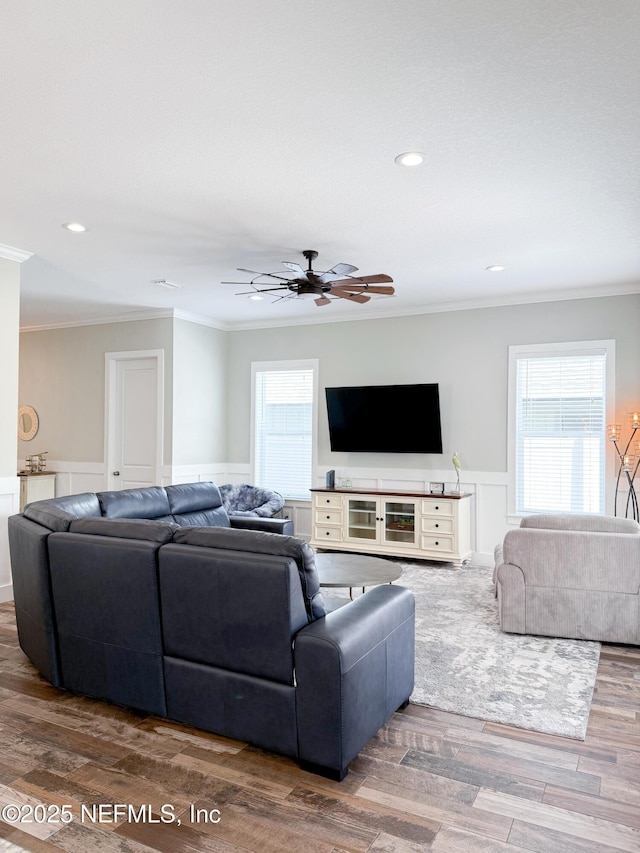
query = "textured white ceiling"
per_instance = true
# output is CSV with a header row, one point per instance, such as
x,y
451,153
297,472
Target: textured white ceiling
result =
x,y
196,137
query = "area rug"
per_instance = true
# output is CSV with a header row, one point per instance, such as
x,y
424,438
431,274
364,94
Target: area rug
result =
x,y
465,664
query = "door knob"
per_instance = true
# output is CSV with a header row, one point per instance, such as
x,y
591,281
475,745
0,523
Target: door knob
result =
x,y
116,473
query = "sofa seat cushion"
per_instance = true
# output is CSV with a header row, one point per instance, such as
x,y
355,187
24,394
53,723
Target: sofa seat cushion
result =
x,y
149,502
264,543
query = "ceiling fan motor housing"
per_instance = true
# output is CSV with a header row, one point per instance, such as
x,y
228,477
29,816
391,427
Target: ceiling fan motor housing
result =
x,y
307,291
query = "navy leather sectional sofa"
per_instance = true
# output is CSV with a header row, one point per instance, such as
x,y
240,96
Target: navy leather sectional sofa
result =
x,y
156,600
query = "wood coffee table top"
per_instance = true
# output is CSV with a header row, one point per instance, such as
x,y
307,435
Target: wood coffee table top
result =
x,y
338,569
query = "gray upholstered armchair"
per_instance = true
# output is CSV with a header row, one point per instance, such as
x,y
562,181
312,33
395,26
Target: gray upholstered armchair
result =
x,y
572,576
242,499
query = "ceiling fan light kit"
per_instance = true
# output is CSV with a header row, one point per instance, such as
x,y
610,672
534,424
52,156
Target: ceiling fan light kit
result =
x,y
323,287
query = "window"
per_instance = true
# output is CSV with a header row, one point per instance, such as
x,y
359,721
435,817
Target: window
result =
x,y
284,418
559,396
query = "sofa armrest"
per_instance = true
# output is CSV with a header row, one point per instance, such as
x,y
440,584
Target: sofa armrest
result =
x,y
354,668
572,559
268,525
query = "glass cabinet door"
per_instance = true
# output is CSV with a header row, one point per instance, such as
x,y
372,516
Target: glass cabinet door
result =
x,y
361,519
399,522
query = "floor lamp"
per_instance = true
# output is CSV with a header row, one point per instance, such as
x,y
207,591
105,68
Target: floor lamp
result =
x,y
628,464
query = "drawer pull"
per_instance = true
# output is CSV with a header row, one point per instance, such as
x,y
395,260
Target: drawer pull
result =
x,y
437,525
437,543
329,534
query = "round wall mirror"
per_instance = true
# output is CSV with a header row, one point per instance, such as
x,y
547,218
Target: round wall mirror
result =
x,y
27,423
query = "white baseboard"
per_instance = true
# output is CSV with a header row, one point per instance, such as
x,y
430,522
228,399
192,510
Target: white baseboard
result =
x,y
6,592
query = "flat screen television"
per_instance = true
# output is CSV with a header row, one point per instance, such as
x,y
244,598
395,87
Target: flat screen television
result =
x,y
385,418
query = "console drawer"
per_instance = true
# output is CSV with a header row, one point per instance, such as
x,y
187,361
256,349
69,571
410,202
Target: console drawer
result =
x,y
328,534
331,501
328,516
432,542
437,507
437,525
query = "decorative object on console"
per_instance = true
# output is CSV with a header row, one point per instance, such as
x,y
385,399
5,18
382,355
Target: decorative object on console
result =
x,y
28,423
323,287
436,488
455,460
628,464
36,462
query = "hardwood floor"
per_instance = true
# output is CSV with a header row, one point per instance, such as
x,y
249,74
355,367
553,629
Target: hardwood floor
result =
x,y
428,780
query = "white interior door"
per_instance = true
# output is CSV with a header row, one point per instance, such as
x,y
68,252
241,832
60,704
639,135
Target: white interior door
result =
x,y
134,420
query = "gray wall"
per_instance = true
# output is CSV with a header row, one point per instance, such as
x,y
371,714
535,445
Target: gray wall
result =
x,y
62,375
466,352
199,394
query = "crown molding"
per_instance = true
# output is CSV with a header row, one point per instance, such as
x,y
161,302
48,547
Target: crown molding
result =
x,y
10,253
129,317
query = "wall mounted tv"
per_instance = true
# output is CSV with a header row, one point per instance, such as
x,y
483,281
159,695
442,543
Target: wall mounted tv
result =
x,y
385,418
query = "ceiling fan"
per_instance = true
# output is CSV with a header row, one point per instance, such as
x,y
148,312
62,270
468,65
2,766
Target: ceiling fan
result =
x,y
323,287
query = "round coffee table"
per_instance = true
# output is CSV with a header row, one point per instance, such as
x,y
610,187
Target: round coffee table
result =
x,y
359,570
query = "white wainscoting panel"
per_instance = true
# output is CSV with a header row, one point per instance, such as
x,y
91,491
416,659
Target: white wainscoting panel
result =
x,y
9,505
199,473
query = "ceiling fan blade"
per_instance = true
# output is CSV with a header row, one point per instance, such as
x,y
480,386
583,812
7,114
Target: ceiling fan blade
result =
x,y
322,300
297,269
270,274
343,269
336,272
352,297
380,278
385,290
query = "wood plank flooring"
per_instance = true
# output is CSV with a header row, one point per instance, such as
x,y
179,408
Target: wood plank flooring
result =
x,y
428,781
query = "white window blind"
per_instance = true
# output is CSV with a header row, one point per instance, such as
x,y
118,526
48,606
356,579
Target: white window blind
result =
x,y
560,416
284,415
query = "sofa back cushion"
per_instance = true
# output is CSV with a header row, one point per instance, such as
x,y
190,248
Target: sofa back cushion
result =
x,y
149,502
258,542
58,513
232,610
105,596
197,504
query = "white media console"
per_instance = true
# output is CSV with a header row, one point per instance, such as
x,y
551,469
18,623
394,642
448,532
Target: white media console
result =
x,y
411,524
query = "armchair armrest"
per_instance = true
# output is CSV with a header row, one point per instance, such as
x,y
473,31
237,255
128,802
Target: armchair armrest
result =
x,y
268,525
573,559
354,668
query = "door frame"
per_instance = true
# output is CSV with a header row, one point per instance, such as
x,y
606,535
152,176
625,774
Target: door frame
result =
x,y
110,407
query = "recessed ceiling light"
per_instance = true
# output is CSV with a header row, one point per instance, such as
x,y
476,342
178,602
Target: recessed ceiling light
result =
x,y
76,227
410,158
256,297
495,268
171,285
